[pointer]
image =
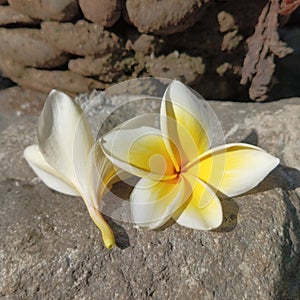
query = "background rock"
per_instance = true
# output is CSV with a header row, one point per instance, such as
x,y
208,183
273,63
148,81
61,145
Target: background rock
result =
x,y
81,39
45,81
11,16
163,17
211,32
29,47
60,10
263,46
104,12
50,248
226,21
181,67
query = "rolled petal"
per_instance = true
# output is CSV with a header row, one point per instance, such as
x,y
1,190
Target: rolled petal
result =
x,y
99,173
46,173
154,202
60,122
185,121
203,210
139,151
234,168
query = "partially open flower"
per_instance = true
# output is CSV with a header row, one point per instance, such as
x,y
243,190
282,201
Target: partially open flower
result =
x,y
67,160
180,173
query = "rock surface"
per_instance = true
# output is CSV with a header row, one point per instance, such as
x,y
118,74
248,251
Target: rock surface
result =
x,y
104,12
82,38
50,248
181,67
29,47
163,17
263,46
60,10
45,81
212,34
11,16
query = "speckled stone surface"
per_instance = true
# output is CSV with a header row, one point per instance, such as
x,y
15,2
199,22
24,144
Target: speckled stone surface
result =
x,y
50,248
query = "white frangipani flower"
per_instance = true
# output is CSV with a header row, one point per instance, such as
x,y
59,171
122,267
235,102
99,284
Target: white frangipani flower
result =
x,y
180,173
67,159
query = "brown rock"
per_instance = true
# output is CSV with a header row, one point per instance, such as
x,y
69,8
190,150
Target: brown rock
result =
x,y
163,17
27,47
225,67
60,10
103,12
11,16
176,66
45,81
226,21
82,38
263,46
107,69
144,44
288,6
231,40
3,2
91,66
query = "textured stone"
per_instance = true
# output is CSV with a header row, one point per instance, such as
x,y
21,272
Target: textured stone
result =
x,y
226,21
82,38
60,10
28,47
163,17
22,101
104,68
263,46
103,12
49,247
45,81
231,40
11,16
180,66
91,66
144,44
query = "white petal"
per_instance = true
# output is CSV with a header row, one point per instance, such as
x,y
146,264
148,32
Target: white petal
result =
x,y
188,122
65,137
46,173
204,210
138,150
235,168
154,202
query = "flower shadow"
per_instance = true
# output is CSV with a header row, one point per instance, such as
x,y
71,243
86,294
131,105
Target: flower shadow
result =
x,y
230,214
121,236
282,176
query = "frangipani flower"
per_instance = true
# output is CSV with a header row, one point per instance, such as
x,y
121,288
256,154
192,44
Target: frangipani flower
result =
x,y
67,160
180,174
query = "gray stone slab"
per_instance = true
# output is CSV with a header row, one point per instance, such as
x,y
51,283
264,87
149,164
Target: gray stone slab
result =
x,y
50,248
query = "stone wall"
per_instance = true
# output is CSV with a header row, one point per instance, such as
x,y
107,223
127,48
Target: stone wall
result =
x,y
76,46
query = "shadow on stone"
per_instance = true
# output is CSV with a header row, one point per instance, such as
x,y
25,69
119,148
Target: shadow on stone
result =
x,y
288,287
251,139
230,214
122,238
282,177
288,179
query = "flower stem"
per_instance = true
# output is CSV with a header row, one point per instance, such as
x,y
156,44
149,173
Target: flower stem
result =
x,y
107,234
